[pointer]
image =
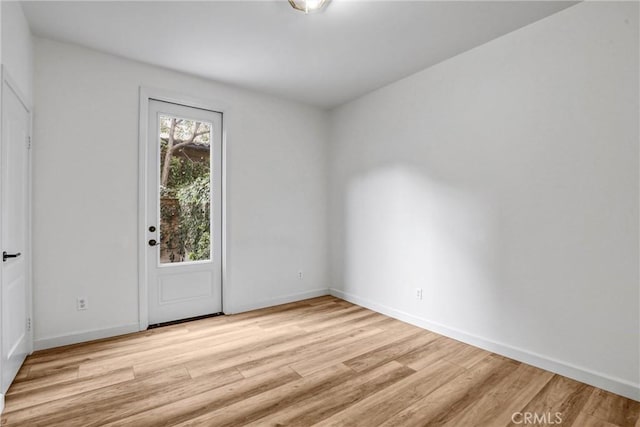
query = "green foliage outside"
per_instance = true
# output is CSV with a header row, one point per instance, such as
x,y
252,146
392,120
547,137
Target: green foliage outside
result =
x,y
194,201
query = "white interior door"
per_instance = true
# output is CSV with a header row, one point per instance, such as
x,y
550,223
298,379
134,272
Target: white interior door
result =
x,y
15,233
184,212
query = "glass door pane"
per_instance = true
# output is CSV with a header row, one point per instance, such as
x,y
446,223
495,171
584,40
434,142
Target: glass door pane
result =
x,y
185,190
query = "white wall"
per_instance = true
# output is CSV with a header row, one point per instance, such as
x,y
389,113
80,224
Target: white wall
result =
x,y
85,192
504,182
17,47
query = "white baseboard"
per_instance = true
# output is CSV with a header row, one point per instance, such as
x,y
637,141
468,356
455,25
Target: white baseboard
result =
x,y
1,403
596,379
95,334
284,299
83,336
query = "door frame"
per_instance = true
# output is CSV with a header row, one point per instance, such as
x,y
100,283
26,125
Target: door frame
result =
x,y
13,86
147,94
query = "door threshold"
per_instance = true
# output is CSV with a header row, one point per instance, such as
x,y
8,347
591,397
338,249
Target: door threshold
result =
x,y
190,319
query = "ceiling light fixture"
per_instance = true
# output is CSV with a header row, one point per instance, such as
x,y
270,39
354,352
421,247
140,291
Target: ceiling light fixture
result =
x,y
307,6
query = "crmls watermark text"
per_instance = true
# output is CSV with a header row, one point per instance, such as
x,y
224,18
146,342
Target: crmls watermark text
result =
x,y
546,418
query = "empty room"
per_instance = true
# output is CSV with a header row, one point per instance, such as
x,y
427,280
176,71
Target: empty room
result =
x,y
320,213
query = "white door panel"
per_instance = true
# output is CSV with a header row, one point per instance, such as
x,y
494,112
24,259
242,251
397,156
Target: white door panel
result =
x,y
14,237
183,212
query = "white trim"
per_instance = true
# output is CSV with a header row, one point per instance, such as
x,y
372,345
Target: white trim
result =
x,y
15,88
143,309
30,236
146,94
596,379
1,403
283,299
84,336
226,282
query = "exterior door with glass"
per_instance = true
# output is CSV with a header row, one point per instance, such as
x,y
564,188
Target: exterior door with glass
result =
x,y
183,212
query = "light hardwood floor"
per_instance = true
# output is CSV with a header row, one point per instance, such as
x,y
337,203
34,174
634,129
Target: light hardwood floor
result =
x,y
317,362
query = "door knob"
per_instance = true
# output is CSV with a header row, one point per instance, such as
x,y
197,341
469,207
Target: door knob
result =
x,y
152,242
6,256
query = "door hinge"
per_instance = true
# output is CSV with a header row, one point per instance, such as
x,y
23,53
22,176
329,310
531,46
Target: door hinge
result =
x,y
28,324
28,143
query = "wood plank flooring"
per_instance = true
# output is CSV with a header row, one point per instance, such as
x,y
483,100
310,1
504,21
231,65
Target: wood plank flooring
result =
x,y
320,362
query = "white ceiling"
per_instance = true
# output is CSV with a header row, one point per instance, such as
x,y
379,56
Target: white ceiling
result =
x,y
324,59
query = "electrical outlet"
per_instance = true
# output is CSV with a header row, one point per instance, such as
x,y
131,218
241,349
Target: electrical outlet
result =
x,y
300,275
82,303
418,293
